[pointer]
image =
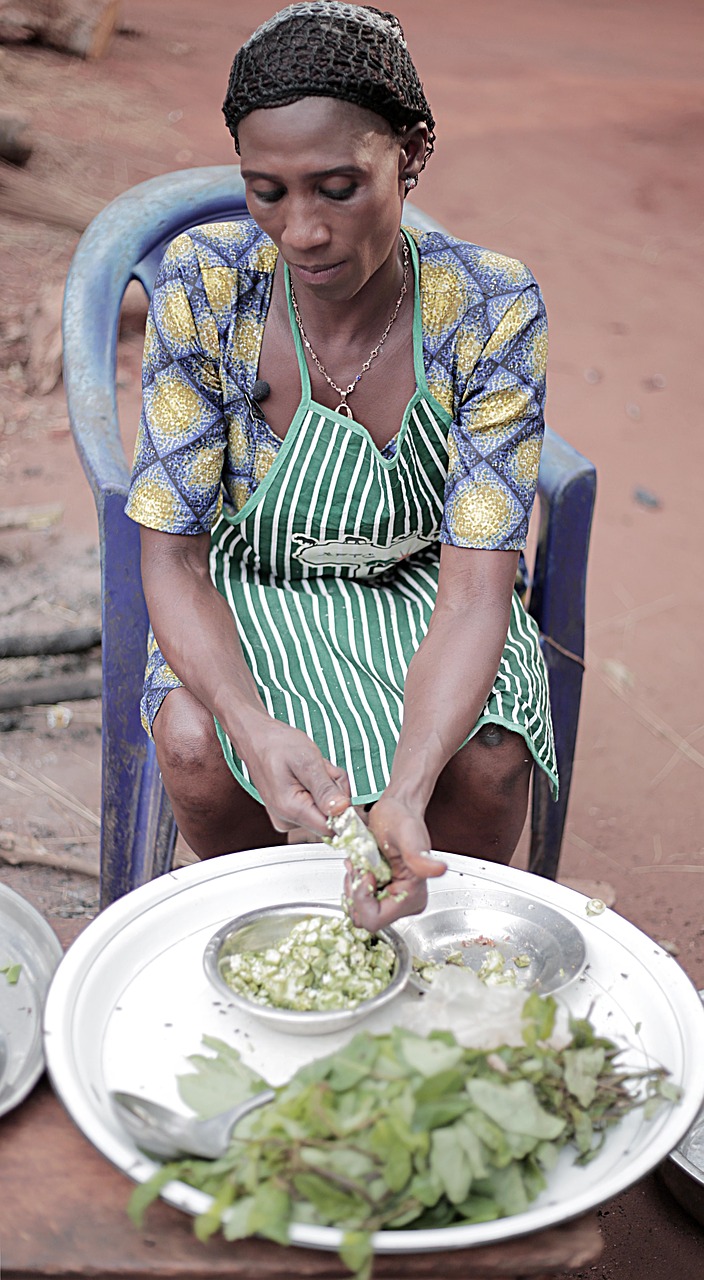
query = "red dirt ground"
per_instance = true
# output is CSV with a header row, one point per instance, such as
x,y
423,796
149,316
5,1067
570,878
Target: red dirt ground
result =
x,y
569,135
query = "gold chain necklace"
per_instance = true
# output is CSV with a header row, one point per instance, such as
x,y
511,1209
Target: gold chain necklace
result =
x,y
344,392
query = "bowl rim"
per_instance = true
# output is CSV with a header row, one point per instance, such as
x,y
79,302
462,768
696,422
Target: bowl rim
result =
x,y
318,1017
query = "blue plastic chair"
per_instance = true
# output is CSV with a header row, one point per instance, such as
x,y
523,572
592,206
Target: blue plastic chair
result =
x,y
126,242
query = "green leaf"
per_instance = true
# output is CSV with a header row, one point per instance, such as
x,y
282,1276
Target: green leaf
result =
x,y
426,1187
357,1253
515,1108
207,1223
479,1208
429,1057
582,1069
450,1164
147,1192
435,1115
235,1221
270,1213
219,1082
539,1018
473,1148
441,1084
334,1206
12,974
510,1191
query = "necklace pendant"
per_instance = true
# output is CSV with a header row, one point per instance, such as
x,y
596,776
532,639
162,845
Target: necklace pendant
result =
x,y
343,407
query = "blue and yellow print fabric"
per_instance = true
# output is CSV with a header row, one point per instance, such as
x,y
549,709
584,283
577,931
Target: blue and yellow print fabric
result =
x,y
484,356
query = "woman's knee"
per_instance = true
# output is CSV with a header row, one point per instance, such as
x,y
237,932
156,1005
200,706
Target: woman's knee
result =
x,y
495,763
184,736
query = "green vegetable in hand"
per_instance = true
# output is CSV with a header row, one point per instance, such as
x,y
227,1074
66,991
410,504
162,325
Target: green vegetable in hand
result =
x,y
356,841
402,1130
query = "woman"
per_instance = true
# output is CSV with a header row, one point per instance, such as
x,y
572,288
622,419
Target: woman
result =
x,y
334,474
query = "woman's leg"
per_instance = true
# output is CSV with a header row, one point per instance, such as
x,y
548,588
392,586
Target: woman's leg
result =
x,y
481,797
213,812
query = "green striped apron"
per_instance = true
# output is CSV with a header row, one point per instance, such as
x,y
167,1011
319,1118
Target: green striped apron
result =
x,y
331,571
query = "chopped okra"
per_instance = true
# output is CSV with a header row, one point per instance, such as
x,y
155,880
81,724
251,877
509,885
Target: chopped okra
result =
x,y
323,964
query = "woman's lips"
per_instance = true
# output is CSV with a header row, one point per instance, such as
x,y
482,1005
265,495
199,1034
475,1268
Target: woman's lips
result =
x,y
317,275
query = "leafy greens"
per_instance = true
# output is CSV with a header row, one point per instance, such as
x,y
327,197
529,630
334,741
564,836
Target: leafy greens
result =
x,y
405,1130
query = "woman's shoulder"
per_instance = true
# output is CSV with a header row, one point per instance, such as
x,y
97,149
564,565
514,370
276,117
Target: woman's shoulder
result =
x,y
238,246
458,269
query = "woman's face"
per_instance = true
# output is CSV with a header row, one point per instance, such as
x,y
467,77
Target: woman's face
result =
x,y
325,180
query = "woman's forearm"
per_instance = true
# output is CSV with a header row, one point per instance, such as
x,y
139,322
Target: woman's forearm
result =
x,y
197,634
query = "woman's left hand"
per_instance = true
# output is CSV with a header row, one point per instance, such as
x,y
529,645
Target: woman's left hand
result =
x,y
403,839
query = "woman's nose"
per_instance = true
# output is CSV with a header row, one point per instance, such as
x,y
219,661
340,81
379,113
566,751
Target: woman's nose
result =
x,y
303,230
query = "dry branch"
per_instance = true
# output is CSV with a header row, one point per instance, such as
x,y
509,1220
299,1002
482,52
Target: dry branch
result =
x,y
80,27
48,690
36,783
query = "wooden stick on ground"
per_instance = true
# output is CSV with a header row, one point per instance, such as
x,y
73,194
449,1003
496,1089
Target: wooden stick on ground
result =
x,y
72,640
80,27
31,517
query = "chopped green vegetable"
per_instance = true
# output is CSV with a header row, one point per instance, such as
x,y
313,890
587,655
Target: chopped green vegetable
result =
x,y
324,963
595,907
12,974
404,1130
360,848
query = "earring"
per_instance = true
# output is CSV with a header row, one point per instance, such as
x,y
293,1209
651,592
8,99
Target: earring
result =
x,y
411,183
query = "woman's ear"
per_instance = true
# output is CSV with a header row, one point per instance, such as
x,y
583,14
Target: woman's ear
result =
x,y
413,154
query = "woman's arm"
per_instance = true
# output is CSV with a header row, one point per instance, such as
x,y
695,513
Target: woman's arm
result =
x,y
449,679
197,635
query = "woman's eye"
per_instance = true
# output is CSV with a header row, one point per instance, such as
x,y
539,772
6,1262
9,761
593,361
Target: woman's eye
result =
x,y
269,197
339,193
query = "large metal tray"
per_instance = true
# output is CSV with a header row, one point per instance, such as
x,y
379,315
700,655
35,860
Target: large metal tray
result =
x,y
25,939
131,1002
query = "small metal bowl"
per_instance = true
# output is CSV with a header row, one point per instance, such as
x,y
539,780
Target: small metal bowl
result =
x,y
551,948
268,926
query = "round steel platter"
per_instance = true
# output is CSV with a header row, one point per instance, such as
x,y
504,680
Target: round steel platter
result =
x,y
542,948
130,1002
28,941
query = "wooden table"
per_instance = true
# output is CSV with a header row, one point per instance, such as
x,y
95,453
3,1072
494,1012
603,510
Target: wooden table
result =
x,y
63,1217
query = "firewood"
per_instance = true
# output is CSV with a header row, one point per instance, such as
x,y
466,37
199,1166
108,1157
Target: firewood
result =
x,y
80,27
48,690
15,138
72,640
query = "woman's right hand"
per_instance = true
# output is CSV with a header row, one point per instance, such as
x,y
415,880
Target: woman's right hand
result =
x,y
299,787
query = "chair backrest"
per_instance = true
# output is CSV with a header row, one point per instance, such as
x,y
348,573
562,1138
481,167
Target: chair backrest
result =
x,y
126,242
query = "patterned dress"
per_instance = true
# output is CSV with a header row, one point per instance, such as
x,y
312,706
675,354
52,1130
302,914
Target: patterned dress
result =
x,y
325,547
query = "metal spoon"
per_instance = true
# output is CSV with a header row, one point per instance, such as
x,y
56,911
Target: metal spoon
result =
x,y
168,1135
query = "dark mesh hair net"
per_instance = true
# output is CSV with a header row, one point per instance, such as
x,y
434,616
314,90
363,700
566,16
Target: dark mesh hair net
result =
x,y
332,50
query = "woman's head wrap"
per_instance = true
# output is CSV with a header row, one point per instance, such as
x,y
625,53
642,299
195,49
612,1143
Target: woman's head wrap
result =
x,y
327,49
